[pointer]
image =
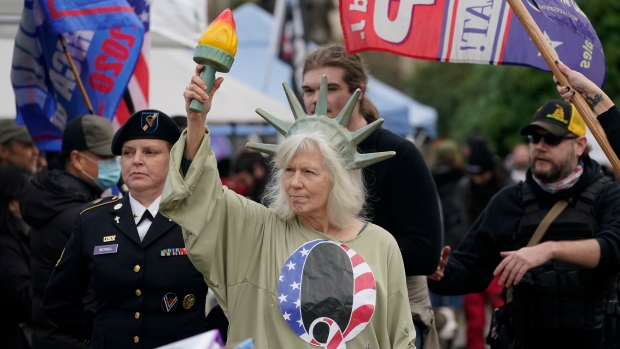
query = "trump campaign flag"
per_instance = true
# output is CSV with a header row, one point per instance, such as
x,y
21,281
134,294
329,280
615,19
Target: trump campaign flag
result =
x,y
473,31
104,38
136,96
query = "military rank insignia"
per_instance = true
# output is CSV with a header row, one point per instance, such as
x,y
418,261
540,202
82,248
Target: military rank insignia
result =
x,y
149,122
169,302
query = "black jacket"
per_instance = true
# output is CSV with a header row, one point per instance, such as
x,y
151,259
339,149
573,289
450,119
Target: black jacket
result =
x,y
447,179
470,268
49,205
131,280
403,200
15,292
473,198
610,121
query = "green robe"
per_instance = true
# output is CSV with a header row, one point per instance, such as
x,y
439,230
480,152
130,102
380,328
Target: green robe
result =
x,y
242,247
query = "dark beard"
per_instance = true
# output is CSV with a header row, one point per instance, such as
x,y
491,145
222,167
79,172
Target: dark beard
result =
x,y
555,174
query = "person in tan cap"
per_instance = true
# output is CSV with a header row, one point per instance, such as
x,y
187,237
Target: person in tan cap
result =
x,y
16,146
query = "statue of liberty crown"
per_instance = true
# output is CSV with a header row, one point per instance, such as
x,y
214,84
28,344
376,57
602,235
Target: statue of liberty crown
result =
x,y
341,139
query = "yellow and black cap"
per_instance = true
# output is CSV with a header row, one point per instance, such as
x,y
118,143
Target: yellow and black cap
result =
x,y
146,124
558,118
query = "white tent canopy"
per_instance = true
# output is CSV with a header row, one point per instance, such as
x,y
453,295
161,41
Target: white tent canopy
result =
x,y
171,70
7,107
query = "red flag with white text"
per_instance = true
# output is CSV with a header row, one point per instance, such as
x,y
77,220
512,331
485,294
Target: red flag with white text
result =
x,y
473,31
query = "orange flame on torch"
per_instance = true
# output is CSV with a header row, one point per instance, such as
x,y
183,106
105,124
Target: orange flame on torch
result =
x,y
221,33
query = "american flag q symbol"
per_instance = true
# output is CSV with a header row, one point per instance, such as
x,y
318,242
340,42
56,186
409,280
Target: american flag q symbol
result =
x,y
326,293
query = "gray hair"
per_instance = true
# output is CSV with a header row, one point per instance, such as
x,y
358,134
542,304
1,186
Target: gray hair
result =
x,y
347,195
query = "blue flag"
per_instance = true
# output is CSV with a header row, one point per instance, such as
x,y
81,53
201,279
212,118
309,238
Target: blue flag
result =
x,y
103,37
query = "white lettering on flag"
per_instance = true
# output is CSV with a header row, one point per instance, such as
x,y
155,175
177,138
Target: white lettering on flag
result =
x,y
396,30
479,26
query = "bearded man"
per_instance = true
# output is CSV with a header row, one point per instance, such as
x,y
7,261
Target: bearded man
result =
x,y
563,290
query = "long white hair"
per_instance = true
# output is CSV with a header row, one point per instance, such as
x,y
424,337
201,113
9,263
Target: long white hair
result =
x,y
347,194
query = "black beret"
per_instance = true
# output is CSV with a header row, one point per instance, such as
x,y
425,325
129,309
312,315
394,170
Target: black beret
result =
x,y
146,124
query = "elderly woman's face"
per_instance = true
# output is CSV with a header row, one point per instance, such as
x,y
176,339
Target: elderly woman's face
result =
x,y
307,184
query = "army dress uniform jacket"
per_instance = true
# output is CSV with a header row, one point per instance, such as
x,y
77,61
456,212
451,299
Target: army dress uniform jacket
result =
x,y
148,293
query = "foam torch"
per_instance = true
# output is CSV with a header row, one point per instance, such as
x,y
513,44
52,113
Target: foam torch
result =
x,y
216,50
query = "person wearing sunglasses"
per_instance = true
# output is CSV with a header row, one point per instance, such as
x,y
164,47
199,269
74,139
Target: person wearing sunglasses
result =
x,y
564,289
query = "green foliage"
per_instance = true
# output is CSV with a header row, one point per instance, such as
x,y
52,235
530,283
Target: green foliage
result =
x,y
498,100
491,100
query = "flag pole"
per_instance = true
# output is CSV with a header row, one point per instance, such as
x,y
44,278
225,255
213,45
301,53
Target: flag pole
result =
x,y
550,57
75,73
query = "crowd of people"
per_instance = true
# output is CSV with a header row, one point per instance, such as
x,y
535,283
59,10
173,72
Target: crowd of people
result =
x,y
343,235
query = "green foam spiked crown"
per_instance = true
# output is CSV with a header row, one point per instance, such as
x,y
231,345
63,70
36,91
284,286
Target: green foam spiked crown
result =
x,y
341,139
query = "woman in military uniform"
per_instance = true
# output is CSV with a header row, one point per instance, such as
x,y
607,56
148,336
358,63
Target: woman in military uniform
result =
x,y
148,292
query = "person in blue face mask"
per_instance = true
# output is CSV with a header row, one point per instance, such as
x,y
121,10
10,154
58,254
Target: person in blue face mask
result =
x,y
51,202
108,172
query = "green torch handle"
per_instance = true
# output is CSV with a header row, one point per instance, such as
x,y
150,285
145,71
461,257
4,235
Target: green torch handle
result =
x,y
208,76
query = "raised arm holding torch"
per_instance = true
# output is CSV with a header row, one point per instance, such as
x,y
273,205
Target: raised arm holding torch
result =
x,y
216,50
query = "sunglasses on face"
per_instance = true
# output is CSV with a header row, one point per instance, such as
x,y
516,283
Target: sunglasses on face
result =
x,y
549,138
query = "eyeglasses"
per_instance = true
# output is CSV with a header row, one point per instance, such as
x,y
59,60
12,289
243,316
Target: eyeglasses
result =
x,y
549,138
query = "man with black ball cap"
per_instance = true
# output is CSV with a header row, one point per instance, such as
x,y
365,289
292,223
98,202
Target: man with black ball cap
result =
x,y
147,290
